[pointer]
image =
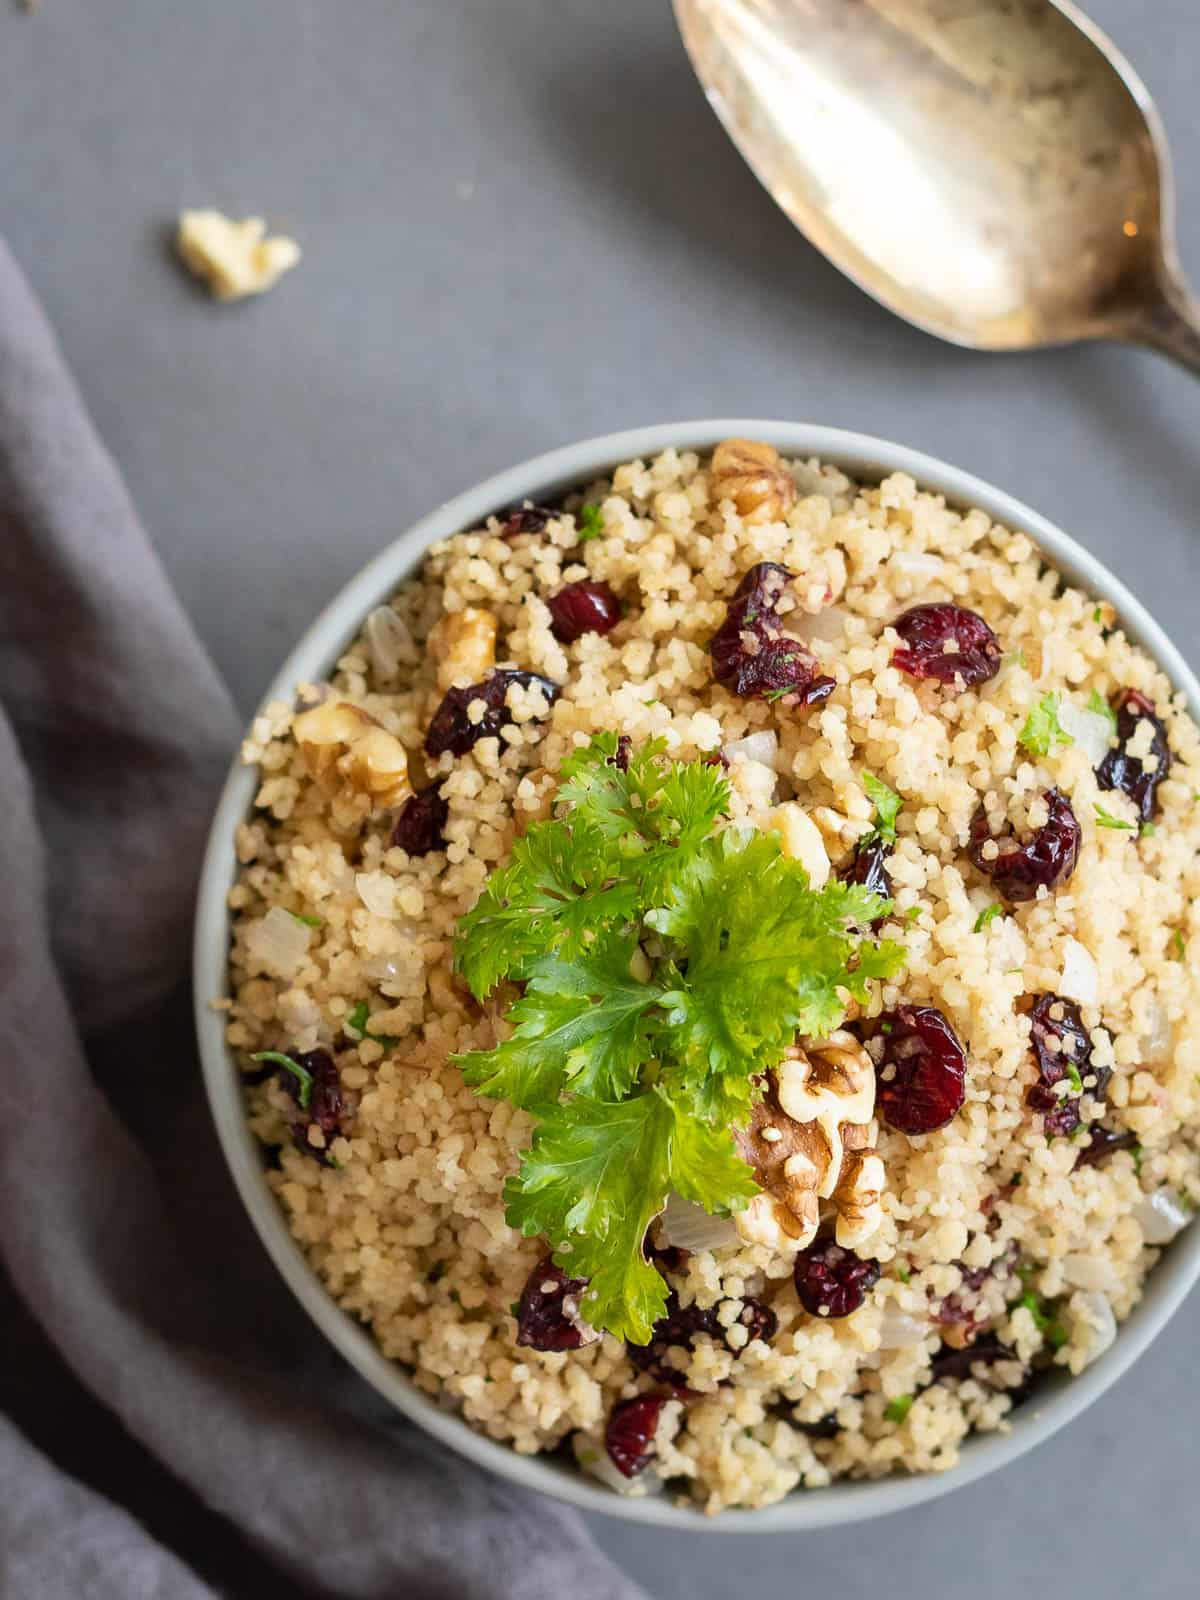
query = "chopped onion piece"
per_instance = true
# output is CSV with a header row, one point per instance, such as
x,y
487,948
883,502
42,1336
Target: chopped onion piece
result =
x,y
389,642
1080,978
1095,1325
279,942
377,891
900,1330
1091,1272
917,563
1157,1041
593,1457
689,1227
1161,1216
762,747
821,627
1091,732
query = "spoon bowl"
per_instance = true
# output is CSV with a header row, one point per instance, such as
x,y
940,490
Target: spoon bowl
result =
x,y
991,170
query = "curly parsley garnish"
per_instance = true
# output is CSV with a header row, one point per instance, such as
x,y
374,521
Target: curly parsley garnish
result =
x,y
301,1074
589,520
667,962
1105,819
1043,730
888,806
1100,707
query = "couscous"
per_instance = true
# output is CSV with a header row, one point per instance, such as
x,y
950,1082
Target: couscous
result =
x,y
712,972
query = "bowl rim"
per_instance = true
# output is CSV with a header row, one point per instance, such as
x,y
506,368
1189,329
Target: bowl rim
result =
x,y
865,458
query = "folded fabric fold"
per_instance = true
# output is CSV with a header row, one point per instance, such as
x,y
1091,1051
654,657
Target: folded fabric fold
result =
x,y
122,1234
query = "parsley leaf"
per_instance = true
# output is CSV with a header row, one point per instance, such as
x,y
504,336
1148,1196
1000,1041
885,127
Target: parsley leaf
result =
x,y
589,520
356,1026
301,1074
596,1176
667,961
309,922
1052,1331
1178,945
899,1408
1042,728
1105,819
766,958
1100,706
987,916
887,805
581,1026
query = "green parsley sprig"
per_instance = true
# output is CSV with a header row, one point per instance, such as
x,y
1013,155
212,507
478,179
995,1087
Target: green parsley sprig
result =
x,y
1046,1324
301,1074
1100,707
667,962
888,806
1043,730
589,521
1105,819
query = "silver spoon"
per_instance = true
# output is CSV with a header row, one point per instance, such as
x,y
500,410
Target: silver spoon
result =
x,y
992,170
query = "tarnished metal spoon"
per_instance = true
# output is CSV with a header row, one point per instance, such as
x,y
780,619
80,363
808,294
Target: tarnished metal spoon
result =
x,y
992,170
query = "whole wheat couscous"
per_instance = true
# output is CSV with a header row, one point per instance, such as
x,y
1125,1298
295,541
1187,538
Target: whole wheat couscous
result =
x,y
712,969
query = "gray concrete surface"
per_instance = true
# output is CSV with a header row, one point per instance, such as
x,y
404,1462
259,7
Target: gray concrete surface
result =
x,y
522,226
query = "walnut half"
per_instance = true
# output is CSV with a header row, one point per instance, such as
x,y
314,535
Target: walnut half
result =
x,y
339,740
463,644
752,475
812,1138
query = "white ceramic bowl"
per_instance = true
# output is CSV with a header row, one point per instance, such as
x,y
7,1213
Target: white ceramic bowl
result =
x,y
1059,1398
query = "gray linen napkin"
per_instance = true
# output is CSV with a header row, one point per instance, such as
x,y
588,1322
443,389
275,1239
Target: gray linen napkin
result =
x,y
120,1232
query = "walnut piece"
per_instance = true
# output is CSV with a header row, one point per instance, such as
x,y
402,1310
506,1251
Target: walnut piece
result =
x,y
812,1138
235,259
800,840
463,644
341,740
752,475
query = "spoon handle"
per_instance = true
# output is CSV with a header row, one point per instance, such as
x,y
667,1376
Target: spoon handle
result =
x,y
1171,325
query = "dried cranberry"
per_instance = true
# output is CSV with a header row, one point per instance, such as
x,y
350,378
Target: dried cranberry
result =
x,y
953,1312
921,1074
1044,860
419,826
948,643
452,730
1102,1143
868,866
950,1363
317,1092
1060,1041
629,1437
583,607
832,1282
526,518
680,1326
826,1427
548,1316
751,654
759,1321
1120,770
624,749
666,1257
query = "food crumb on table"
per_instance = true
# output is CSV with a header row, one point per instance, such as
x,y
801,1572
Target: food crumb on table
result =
x,y
234,259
